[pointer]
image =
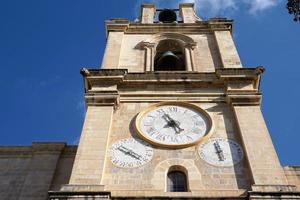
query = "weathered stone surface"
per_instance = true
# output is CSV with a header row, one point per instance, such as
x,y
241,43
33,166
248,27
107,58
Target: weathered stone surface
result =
x,y
127,84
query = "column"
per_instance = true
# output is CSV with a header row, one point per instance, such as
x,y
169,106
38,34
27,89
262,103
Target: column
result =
x,y
149,56
189,56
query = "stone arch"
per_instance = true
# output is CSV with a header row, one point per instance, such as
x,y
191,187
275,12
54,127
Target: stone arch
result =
x,y
162,168
186,43
177,179
184,39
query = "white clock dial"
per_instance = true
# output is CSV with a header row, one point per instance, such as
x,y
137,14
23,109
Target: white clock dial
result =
x,y
221,152
130,153
170,124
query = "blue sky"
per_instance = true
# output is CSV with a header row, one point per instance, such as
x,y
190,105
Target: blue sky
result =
x,y
43,45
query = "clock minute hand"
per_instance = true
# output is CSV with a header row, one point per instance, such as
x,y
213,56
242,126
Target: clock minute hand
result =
x,y
175,124
129,152
135,155
170,122
166,117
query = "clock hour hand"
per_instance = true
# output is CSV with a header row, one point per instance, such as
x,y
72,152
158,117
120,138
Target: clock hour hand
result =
x,y
177,127
172,123
219,151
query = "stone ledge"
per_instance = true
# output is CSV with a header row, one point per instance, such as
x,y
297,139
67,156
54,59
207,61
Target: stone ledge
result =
x,y
199,194
273,188
48,146
82,188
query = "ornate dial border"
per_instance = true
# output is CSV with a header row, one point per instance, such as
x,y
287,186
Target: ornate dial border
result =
x,y
140,133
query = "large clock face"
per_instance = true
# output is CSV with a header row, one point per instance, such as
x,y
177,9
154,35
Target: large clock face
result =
x,y
128,153
173,124
221,152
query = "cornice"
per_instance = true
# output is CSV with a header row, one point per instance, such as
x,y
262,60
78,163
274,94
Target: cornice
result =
x,y
240,86
36,148
213,24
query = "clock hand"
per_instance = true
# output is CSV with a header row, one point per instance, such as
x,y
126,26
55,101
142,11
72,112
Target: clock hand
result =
x,y
172,123
166,117
177,125
129,152
135,155
219,151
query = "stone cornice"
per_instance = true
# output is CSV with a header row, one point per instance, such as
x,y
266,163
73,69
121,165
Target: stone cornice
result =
x,y
213,24
37,147
239,86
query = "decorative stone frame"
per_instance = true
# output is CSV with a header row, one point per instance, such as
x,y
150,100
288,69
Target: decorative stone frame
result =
x,y
161,170
186,42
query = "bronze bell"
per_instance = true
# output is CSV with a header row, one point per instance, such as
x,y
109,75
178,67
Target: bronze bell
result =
x,y
168,60
167,16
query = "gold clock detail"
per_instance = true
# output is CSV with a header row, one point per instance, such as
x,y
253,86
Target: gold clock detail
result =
x,y
173,124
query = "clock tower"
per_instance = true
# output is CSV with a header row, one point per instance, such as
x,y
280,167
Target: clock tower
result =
x,y
173,113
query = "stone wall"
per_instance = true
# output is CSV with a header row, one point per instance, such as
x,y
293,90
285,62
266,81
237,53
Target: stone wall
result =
x,y
29,172
293,175
125,51
152,176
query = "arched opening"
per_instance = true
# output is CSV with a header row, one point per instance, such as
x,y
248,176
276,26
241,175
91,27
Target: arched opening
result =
x,y
176,180
169,56
167,16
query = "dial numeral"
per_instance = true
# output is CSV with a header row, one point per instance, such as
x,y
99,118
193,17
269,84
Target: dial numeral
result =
x,y
199,123
173,109
151,131
160,111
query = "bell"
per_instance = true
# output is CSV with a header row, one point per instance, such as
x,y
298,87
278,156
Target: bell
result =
x,y
168,61
167,16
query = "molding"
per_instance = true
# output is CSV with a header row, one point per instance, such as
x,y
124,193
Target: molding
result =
x,y
80,192
237,86
189,5
213,24
48,146
244,100
148,5
273,188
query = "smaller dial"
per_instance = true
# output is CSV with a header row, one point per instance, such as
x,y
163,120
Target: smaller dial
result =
x,y
221,152
129,153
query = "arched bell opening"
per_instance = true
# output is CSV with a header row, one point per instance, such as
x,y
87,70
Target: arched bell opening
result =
x,y
169,56
167,16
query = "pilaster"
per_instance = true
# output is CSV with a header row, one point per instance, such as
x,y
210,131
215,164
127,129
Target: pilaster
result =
x,y
112,52
149,55
262,158
227,49
187,13
189,56
147,13
101,95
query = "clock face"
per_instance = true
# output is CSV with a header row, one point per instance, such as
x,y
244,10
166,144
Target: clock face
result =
x,y
129,153
221,152
173,124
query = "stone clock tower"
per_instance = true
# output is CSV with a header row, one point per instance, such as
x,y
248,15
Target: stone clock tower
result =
x,y
172,113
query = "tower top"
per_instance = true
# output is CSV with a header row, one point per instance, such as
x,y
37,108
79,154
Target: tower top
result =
x,y
184,14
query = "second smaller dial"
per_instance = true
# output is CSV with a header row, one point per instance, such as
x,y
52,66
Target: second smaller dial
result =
x,y
128,153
